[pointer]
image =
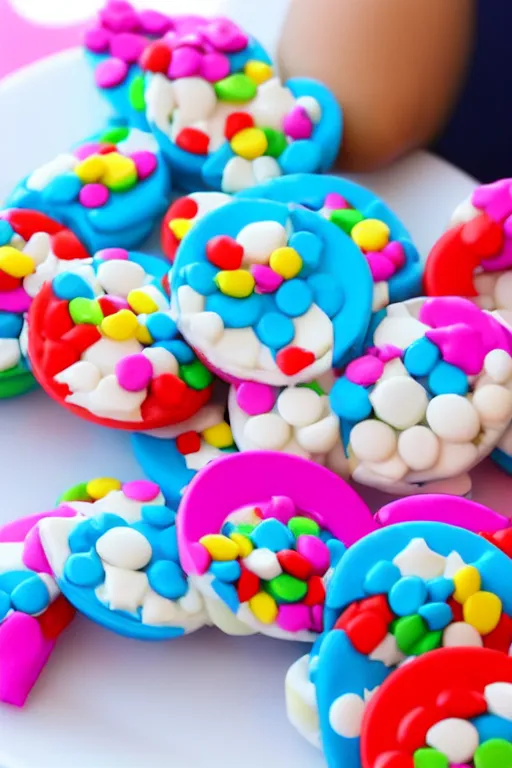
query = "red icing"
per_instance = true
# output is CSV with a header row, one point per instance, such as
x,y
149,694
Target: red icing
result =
x,y
413,728
58,320
236,122
56,618
292,360
461,702
224,252
81,337
193,140
188,442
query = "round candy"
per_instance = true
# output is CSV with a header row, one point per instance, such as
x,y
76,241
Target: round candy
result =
x,y
33,613
225,121
262,529
436,382
117,561
241,326
109,190
183,213
103,344
33,248
392,257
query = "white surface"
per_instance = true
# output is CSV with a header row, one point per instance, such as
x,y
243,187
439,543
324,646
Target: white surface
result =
x,y
206,700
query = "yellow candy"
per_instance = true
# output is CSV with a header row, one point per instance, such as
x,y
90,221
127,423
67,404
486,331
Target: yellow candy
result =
x,y
249,143
100,486
244,544
141,303
220,436
286,262
143,335
264,607
120,326
258,71
370,234
483,611
120,172
180,227
467,581
220,547
235,282
15,263
91,169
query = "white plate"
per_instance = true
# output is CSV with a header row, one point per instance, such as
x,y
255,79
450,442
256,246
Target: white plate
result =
x,y
205,700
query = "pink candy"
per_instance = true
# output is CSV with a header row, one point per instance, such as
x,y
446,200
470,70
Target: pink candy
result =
x,y
297,124
17,300
293,618
127,46
145,162
134,372
316,551
380,267
267,281
119,16
335,202
110,72
93,195
110,254
317,618
141,490
226,36
86,150
185,63
280,507
154,22
365,370
254,398
97,39
495,199
214,67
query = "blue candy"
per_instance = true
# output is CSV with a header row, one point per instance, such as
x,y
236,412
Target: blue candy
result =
x,y
83,537
200,276
159,516
161,326
446,379
350,401
69,286
227,594
337,550
12,579
407,595
327,293
84,569
107,520
294,297
309,247
302,156
273,535
421,357
181,351
236,313
5,600
167,579
62,189
275,330
31,596
227,529
166,544
437,615
10,324
228,571
440,589
6,232
493,727
381,577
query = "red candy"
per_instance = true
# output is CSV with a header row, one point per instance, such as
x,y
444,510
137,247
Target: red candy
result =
x,y
9,283
414,726
224,252
316,591
58,356
108,307
248,585
67,246
292,360
295,564
236,122
500,639
156,58
366,631
501,539
183,208
193,140
26,223
463,703
168,389
106,148
188,442
81,337
58,320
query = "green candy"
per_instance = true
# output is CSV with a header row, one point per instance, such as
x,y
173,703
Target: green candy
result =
x,y
408,631
286,589
76,493
314,386
494,753
303,526
245,529
346,219
236,88
429,642
85,311
196,375
123,184
430,758
16,381
114,135
136,94
276,142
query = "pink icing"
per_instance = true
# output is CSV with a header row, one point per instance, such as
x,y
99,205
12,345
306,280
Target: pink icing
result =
x,y
24,652
503,260
134,372
110,72
17,530
254,398
93,195
293,618
108,254
17,300
463,332
495,199
267,281
281,508
34,556
141,490
127,46
441,508
386,353
335,202
297,124
365,370
145,163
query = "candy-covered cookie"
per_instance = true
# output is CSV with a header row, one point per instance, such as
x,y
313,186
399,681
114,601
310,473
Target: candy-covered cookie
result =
x,y
271,293
33,613
224,119
110,190
117,561
102,343
183,213
172,457
33,248
429,399
387,245
296,419
401,592
449,708
259,533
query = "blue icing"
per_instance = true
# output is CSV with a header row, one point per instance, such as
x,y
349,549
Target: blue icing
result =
x,y
201,277
104,521
10,324
421,357
337,550
119,95
161,326
31,596
302,156
62,189
492,727
350,401
447,379
6,232
275,330
158,516
437,615
440,589
274,535
68,286
381,577
310,248
327,293
5,604
167,579
294,297
236,313
407,595
228,571
163,464
84,569
181,351
227,594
